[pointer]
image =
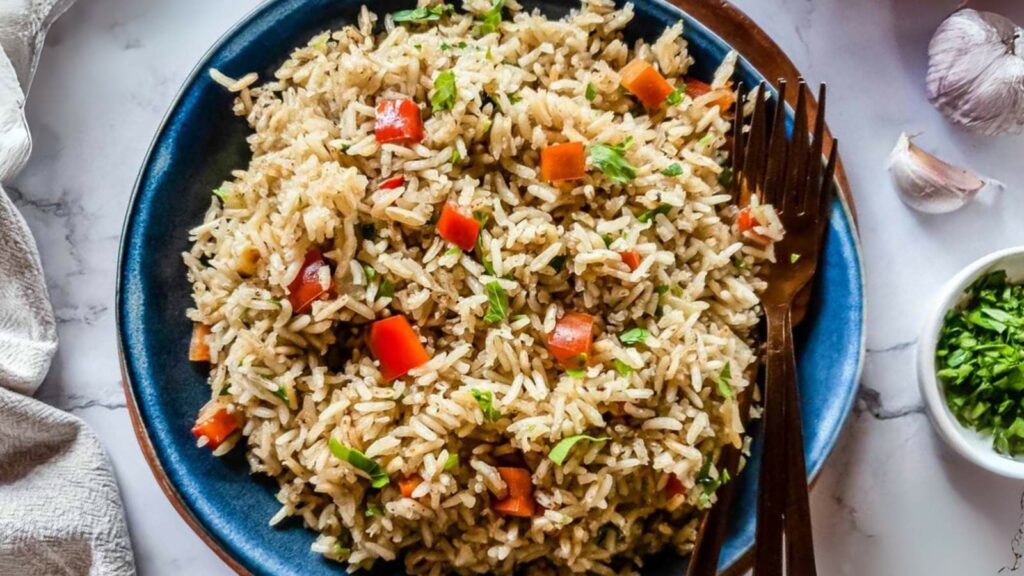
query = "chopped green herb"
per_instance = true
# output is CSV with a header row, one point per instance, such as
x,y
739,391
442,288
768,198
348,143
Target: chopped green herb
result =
x,y
513,97
487,127
557,263
445,92
422,14
673,169
446,46
378,476
452,462
453,250
706,139
611,159
577,373
341,551
980,361
740,262
708,484
387,289
369,272
622,368
225,391
607,239
485,398
793,257
634,336
491,19
221,193
725,177
561,450
374,510
479,248
488,54
724,381
281,393
661,289
674,98
456,157
497,303
650,214
591,92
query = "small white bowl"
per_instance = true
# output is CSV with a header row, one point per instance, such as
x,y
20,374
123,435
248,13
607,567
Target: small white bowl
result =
x,y
966,442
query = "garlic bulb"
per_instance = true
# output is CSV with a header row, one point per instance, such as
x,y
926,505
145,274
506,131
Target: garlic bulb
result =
x,y
976,71
930,185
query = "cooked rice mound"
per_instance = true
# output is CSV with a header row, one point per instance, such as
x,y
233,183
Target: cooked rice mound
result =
x,y
666,404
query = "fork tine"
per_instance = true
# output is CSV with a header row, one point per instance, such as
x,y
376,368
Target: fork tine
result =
x,y
737,146
810,190
825,194
775,172
754,160
796,160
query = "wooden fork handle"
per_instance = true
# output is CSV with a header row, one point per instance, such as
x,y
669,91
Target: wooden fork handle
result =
x,y
771,501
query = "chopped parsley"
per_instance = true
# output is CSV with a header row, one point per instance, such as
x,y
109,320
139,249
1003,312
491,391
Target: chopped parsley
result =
x,y
221,193
453,250
497,303
491,19
422,14
674,98
725,177
369,272
452,462
673,169
591,92
378,476
445,92
387,289
560,452
374,510
708,484
980,361
622,368
611,159
577,373
456,157
634,336
793,257
650,214
485,399
724,381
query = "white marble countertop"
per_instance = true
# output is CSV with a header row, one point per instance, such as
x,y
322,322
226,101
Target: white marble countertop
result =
x,y
891,501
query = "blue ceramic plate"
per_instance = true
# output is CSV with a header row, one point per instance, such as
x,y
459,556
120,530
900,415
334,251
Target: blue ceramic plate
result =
x,y
195,149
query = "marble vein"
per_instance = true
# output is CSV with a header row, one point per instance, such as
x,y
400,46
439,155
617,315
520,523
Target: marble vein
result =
x,y
870,400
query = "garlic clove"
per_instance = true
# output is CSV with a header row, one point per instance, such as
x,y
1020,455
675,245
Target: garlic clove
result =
x,y
976,71
930,185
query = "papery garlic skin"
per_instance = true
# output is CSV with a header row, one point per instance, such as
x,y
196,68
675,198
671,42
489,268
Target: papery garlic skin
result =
x,y
976,71
930,185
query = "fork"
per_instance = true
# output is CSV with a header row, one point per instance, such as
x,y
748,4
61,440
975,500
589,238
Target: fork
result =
x,y
801,195
763,163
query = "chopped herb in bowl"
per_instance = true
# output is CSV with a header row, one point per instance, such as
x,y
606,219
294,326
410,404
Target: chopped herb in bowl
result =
x,y
980,361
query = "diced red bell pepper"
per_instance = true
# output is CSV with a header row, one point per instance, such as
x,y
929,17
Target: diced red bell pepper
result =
x,y
563,161
674,486
519,502
198,349
456,228
571,339
391,183
306,287
217,427
695,88
398,121
746,222
631,258
394,343
409,484
646,83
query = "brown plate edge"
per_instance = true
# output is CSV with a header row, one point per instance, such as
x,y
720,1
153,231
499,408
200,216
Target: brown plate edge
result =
x,y
719,16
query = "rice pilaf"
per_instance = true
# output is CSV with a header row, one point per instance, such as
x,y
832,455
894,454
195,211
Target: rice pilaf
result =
x,y
513,339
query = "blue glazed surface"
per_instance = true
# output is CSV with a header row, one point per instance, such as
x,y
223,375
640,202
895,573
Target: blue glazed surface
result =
x,y
201,141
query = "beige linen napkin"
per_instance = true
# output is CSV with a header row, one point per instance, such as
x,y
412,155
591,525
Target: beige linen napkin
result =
x,y
60,510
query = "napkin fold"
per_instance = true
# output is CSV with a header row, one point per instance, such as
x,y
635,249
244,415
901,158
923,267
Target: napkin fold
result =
x,y
60,509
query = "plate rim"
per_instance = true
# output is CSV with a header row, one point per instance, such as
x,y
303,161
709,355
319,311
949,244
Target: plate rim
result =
x,y
766,54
